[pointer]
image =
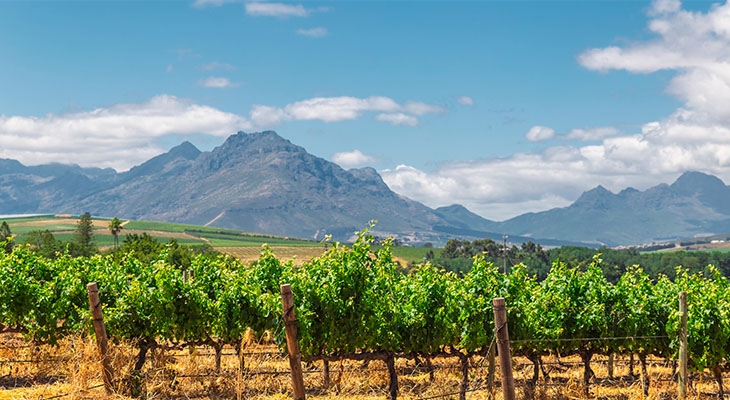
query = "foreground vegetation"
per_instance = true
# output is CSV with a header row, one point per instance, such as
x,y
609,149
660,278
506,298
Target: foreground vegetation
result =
x,y
354,303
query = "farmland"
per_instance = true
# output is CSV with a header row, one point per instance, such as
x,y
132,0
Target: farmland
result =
x,y
243,245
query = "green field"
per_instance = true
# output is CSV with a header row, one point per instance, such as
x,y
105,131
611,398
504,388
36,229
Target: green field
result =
x,y
62,226
108,240
172,227
24,229
226,240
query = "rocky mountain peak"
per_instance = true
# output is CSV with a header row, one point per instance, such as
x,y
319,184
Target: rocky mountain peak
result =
x,y
694,182
184,150
599,196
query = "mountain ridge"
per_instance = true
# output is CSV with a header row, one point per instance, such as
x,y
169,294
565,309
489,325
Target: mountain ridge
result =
x,y
696,203
257,182
261,182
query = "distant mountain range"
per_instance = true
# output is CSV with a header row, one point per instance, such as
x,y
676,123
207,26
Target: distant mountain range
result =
x,y
695,204
256,182
260,182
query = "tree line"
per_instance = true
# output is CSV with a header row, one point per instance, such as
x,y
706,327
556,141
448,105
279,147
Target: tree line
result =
x,y
458,255
83,244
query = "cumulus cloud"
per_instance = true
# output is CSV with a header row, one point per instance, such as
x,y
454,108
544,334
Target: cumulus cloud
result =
x,y
116,136
317,32
695,45
418,108
398,119
353,158
217,82
267,116
262,9
501,188
343,108
538,133
595,133
465,101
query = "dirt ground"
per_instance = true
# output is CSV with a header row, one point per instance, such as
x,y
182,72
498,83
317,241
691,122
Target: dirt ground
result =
x,y
72,371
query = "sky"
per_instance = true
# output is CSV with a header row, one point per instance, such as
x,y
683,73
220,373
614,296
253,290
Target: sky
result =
x,y
505,107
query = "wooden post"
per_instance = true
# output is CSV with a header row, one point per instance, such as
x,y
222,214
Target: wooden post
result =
x,y
295,358
100,331
505,358
682,381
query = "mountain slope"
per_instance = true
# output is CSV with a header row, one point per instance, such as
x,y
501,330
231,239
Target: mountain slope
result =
x,y
261,182
695,203
256,182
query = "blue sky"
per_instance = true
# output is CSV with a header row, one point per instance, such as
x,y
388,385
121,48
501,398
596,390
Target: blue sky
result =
x,y
505,107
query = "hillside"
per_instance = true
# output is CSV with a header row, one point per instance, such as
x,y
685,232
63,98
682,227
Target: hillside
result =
x,y
261,182
695,204
254,182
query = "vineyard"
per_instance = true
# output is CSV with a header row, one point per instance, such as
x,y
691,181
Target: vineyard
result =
x,y
353,304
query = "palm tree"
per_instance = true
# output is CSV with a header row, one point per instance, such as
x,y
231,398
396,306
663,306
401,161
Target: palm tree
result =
x,y
115,226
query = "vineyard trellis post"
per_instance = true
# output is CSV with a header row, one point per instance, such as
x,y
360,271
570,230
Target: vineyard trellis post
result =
x,y
292,343
682,381
100,331
505,358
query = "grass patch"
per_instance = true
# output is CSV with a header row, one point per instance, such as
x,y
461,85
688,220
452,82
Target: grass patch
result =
x,y
224,239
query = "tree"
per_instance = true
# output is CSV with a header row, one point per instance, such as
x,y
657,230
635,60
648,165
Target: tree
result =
x,y
6,236
84,234
46,245
115,226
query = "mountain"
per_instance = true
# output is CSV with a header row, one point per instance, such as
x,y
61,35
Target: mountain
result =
x,y
256,182
695,204
261,182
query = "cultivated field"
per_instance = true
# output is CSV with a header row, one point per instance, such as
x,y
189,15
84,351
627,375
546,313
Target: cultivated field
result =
x,y
243,245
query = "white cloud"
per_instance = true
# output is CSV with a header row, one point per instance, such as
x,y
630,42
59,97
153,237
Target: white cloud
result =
x,y
538,133
116,136
465,101
418,108
595,133
659,7
353,158
262,9
169,68
317,32
343,108
398,119
267,116
217,82
332,109
215,65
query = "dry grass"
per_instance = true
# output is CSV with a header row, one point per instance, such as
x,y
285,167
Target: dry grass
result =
x,y
72,367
